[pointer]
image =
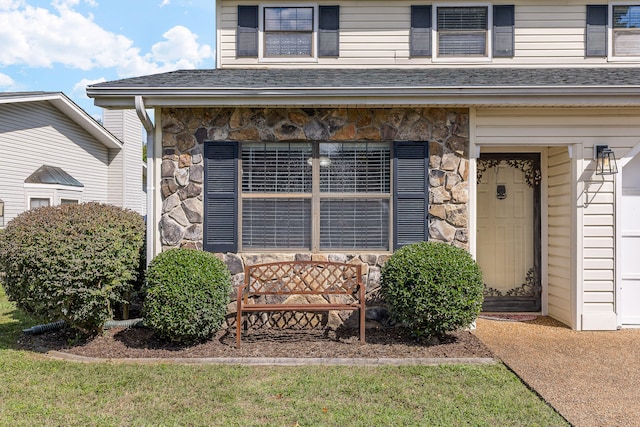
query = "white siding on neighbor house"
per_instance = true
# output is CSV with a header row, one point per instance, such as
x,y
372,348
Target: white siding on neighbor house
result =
x,y
116,177
618,128
36,133
559,207
376,33
125,125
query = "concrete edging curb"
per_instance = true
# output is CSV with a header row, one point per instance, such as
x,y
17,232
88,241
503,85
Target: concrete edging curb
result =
x,y
277,361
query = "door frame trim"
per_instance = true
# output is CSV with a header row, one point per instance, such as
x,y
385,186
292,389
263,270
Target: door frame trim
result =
x,y
631,154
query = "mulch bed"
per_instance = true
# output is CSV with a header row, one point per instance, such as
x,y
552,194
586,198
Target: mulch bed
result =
x,y
381,342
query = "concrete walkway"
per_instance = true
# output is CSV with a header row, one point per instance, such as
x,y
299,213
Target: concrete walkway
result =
x,y
591,378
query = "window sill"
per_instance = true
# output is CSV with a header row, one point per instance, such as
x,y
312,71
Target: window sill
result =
x,y
288,60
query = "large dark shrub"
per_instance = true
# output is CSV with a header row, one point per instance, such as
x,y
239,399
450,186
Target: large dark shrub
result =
x,y
72,262
187,295
433,288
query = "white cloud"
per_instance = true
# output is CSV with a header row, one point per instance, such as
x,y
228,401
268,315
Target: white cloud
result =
x,y
10,4
80,88
37,37
6,81
165,3
180,45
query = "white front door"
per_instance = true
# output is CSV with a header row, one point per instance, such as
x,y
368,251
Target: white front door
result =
x,y
507,228
629,288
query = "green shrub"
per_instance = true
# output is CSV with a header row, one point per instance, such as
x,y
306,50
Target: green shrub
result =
x,y
72,262
187,295
432,288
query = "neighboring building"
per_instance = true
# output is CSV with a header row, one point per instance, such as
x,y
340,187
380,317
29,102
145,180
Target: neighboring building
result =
x,y
55,153
348,129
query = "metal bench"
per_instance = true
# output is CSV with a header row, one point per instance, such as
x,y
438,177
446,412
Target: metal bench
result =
x,y
290,278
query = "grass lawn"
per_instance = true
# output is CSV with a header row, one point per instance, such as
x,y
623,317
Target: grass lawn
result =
x,y
37,391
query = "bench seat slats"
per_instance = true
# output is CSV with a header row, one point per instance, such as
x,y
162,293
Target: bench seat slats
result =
x,y
299,307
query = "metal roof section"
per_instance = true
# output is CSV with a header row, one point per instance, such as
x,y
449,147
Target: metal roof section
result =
x,y
60,101
382,86
54,175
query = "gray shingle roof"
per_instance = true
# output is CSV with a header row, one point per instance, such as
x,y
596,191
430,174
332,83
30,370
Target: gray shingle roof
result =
x,y
378,78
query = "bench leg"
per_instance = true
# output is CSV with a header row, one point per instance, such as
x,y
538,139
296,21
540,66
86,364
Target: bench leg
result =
x,y
238,325
362,324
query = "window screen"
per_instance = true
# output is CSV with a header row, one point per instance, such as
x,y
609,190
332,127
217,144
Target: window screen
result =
x,y
288,31
626,30
462,31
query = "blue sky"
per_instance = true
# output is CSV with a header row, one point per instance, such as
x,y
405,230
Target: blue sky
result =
x,y
63,45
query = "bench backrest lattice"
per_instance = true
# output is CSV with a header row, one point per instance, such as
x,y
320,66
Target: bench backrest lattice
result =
x,y
302,277
310,278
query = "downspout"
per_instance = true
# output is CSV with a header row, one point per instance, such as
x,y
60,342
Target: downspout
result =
x,y
150,129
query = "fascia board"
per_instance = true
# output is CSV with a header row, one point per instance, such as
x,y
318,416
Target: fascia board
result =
x,y
467,96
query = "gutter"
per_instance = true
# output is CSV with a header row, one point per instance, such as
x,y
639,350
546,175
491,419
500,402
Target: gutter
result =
x,y
494,96
151,130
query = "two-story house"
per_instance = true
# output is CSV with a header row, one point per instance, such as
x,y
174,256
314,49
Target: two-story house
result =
x,y
346,129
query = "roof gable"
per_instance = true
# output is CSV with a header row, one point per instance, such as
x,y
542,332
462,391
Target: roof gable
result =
x,y
70,109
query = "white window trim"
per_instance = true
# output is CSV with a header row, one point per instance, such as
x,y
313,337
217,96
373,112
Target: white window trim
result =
x,y
288,59
461,59
610,56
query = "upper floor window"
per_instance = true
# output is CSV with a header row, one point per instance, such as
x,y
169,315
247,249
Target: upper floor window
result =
x,y
452,32
625,30
462,31
298,33
288,31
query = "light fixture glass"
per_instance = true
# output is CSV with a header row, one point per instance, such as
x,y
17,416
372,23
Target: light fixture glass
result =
x,y
605,160
324,161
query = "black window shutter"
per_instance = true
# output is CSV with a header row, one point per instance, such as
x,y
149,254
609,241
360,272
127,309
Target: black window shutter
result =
x,y
411,198
503,34
247,35
221,197
420,38
329,31
596,31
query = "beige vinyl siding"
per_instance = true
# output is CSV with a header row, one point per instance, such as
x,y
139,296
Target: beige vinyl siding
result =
x,y
376,33
553,127
559,234
36,133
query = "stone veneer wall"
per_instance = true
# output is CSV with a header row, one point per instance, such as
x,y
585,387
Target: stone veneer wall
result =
x,y
184,132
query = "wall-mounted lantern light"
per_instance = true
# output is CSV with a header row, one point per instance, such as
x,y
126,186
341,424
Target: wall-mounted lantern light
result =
x,y
605,160
1,213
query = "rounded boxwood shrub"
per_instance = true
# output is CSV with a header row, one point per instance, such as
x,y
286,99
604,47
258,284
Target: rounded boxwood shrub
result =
x,y
432,288
72,262
187,295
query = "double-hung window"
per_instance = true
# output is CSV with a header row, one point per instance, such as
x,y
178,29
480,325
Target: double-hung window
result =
x,y
315,196
462,31
625,27
465,32
287,32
